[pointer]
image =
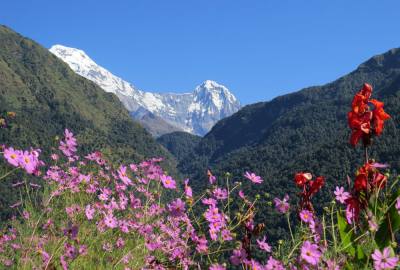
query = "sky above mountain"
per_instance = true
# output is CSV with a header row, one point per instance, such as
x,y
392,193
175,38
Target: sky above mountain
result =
x,y
259,49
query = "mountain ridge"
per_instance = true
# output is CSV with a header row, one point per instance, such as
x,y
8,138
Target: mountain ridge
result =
x,y
195,112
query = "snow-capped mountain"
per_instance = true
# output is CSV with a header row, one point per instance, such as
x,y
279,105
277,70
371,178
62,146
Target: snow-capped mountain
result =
x,y
194,112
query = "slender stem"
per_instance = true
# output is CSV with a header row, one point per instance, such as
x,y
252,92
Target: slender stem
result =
x,y
390,227
355,240
366,154
324,229
290,227
366,162
7,174
293,250
333,230
52,255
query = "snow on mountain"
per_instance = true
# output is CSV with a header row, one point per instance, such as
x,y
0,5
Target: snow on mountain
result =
x,y
194,112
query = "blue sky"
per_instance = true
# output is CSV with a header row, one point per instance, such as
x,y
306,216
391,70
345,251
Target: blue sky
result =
x,y
258,49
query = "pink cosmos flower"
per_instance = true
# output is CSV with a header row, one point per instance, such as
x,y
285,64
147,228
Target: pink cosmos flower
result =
x,y
188,189
26,214
120,242
209,201
68,147
349,214
226,235
105,193
241,195
217,267
107,247
12,156
310,253
70,251
273,264
168,182
176,208
89,212
123,176
383,260
398,205
282,206
306,216
110,221
238,256
201,246
341,195
28,162
47,224
82,250
332,265
253,178
220,194
133,167
211,178
263,245
45,256
63,262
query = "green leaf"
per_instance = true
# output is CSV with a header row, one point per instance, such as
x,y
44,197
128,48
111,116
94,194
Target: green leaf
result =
x,y
384,235
360,253
346,235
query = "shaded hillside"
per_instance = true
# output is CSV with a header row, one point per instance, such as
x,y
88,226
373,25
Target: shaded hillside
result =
x,y
48,97
179,144
306,130
153,123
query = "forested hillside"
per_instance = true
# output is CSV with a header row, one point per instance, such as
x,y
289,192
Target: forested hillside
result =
x,y
179,144
303,131
47,97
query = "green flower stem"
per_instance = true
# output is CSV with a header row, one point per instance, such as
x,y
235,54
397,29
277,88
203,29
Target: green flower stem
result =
x,y
333,230
290,227
7,174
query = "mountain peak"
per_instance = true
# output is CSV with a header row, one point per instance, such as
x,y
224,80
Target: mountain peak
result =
x,y
209,84
68,52
194,112
217,92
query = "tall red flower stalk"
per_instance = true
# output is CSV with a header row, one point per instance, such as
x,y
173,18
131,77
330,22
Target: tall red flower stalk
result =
x,y
365,123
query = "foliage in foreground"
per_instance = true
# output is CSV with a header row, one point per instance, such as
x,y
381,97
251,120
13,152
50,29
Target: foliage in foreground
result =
x,y
95,215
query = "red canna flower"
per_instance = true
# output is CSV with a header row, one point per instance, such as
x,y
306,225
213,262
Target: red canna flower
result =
x,y
378,180
302,178
352,210
362,120
379,116
361,182
310,187
317,184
